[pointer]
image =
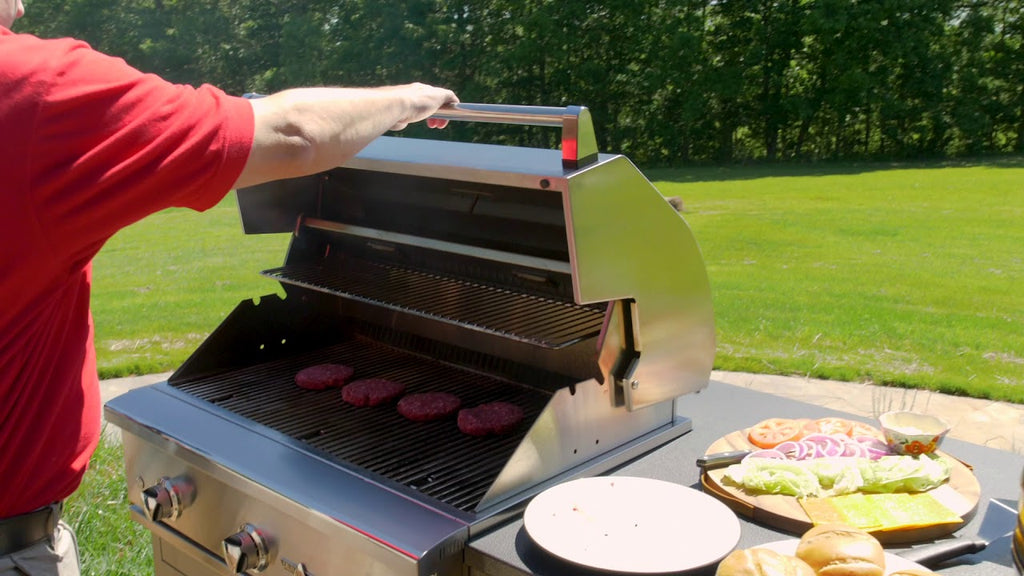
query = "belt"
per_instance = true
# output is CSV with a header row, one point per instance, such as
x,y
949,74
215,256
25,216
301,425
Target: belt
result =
x,y
23,531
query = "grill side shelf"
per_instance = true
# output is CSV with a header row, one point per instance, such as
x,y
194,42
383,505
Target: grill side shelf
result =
x,y
525,318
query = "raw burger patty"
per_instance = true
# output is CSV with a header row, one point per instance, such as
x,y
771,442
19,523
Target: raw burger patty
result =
x,y
323,376
371,391
428,406
490,418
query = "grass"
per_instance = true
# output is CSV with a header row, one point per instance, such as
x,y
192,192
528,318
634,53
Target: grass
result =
x,y
110,544
162,285
908,276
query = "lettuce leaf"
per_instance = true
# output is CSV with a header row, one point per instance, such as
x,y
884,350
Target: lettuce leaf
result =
x,y
834,476
904,474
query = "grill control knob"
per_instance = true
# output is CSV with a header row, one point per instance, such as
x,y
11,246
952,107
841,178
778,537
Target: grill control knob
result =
x,y
246,551
167,498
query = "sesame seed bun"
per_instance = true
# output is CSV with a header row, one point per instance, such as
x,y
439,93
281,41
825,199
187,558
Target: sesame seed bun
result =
x,y
762,562
838,550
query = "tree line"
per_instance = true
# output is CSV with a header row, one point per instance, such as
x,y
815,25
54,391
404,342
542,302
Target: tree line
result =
x,y
668,81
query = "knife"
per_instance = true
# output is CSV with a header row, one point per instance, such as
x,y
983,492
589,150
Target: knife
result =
x,y
721,459
998,522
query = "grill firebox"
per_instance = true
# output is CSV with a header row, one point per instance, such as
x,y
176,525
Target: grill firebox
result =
x,y
562,283
433,458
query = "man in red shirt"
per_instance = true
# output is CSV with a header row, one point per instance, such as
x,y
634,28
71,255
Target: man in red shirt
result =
x,y
90,145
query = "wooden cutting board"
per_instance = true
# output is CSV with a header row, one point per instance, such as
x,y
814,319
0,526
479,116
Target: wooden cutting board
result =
x,y
960,494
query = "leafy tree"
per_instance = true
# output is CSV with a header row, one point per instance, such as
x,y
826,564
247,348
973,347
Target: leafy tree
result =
x,y
667,81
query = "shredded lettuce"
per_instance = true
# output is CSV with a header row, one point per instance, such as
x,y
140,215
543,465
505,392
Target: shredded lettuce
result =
x,y
834,476
905,474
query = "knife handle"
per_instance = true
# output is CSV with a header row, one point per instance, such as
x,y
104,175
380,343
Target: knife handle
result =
x,y
931,555
721,459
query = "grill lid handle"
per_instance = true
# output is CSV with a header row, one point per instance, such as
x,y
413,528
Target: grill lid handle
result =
x,y
579,145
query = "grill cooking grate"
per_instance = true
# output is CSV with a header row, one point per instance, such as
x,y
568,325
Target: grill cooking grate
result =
x,y
539,321
433,458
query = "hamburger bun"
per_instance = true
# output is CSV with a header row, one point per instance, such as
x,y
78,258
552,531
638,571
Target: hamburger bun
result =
x,y
839,550
762,562
913,572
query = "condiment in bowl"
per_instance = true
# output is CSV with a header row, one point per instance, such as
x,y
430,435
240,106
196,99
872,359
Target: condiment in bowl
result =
x,y
913,433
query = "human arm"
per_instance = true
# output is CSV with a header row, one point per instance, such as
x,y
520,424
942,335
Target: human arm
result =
x,y
307,130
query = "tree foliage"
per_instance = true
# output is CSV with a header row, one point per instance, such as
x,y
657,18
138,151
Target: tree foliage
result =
x,y
667,82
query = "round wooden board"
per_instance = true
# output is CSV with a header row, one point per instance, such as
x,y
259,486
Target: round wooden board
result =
x,y
960,494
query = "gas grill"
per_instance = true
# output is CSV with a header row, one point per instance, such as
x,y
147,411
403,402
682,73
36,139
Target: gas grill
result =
x,y
561,282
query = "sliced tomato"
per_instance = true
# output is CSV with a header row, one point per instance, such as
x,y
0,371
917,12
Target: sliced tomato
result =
x,y
834,425
773,431
862,429
808,426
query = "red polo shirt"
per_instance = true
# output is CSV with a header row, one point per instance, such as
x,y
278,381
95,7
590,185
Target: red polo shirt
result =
x,y
88,145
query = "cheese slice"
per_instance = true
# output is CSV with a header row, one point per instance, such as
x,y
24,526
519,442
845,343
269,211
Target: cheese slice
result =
x,y
880,512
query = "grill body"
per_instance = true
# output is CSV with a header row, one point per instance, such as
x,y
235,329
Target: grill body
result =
x,y
568,286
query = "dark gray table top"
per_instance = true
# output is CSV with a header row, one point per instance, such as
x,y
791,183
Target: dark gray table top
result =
x,y
719,410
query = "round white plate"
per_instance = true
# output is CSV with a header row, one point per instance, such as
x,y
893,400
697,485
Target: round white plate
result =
x,y
892,561
629,524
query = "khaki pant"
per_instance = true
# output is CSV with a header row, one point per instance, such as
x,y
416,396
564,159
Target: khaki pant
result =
x,y
56,558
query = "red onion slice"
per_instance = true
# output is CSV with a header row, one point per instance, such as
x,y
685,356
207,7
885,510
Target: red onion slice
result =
x,y
793,450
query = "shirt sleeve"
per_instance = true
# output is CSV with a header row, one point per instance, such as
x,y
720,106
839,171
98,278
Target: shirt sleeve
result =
x,y
112,145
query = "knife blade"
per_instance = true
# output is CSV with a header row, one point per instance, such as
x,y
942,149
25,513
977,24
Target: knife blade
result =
x,y
998,522
721,459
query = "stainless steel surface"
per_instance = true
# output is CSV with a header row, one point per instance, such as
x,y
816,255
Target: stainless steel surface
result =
x,y
313,511
174,555
636,247
998,523
545,264
575,427
579,144
506,114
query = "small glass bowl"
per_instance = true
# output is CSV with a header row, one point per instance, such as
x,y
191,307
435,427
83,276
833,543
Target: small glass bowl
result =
x,y
913,433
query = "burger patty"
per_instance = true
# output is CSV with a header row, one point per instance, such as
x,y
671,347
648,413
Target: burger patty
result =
x,y
323,376
428,406
490,418
371,391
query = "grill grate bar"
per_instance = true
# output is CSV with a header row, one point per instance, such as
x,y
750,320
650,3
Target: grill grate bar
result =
x,y
433,458
510,314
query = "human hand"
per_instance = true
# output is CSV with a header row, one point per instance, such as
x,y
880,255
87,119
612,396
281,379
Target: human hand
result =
x,y
423,101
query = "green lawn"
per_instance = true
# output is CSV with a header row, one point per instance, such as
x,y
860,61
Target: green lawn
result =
x,y
162,285
910,276
110,544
